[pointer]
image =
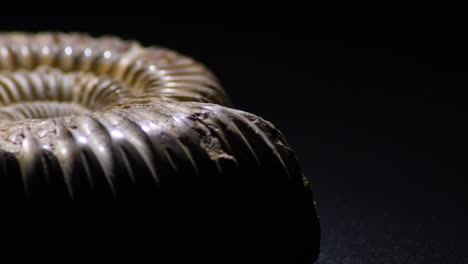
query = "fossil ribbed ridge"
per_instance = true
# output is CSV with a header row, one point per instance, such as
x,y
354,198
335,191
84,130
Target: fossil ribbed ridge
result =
x,y
61,95
85,118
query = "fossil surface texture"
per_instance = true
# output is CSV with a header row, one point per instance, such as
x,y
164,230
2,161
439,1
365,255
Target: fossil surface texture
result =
x,y
112,151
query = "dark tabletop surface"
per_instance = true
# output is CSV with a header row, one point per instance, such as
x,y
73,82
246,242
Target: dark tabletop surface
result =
x,y
371,97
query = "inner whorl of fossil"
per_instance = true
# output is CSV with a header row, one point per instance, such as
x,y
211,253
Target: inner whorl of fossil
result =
x,y
50,75
47,92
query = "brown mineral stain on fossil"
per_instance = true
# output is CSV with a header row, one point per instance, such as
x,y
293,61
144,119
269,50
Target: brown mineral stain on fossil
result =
x,y
86,120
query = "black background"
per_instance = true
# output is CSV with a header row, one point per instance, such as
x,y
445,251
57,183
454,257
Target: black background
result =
x,y
370,95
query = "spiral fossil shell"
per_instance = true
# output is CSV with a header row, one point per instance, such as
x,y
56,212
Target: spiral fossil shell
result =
x,y
86,122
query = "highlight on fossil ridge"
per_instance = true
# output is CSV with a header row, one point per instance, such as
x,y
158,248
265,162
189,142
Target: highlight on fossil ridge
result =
x,y
110,149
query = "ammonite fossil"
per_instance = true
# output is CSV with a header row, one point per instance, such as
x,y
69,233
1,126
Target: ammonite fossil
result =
x,y
114,151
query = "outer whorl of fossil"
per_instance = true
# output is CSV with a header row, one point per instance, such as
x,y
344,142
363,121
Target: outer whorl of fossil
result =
x,y
111,149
